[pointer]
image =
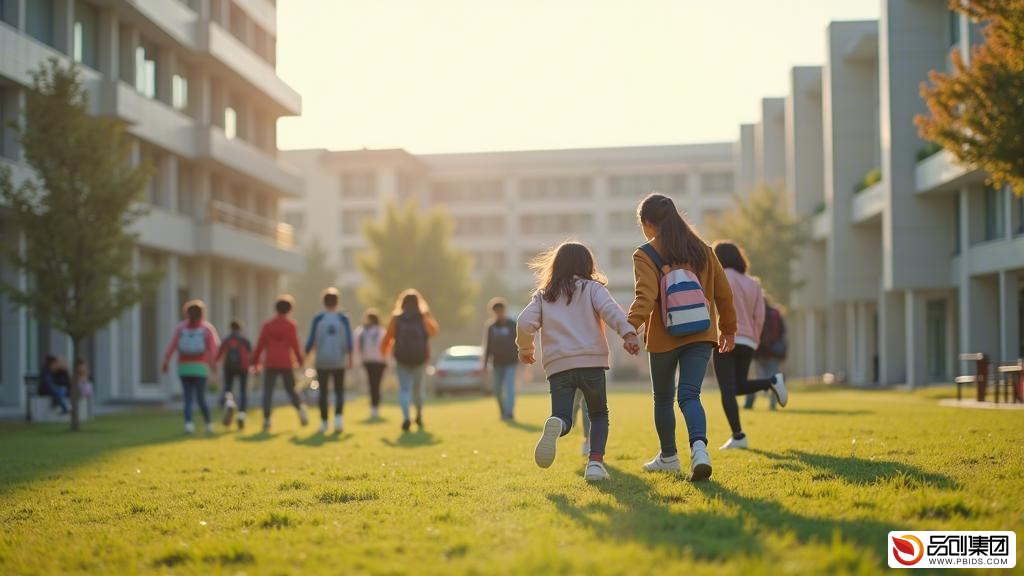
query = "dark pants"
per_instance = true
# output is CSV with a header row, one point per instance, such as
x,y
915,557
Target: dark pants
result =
x,y
591,382
243,387
324,377
374,374
270,377
731,370
690,362
194,388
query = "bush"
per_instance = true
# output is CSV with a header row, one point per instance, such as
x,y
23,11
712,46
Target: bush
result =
x,y
874,176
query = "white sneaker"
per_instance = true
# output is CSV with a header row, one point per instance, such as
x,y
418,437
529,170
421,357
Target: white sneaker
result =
x,y
595,471
374,413
779,388
585,449
700,462
303,417
544,453
229,409
190,428
734,443
663,464
323,427
209,427
337,424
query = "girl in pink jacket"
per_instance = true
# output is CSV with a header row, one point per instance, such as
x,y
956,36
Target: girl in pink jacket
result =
x,y
732,368
570,309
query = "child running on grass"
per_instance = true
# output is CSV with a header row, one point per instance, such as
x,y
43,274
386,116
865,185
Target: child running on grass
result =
x,y
570,308
195,341
279,339
234,354
408,336
367,340
331,337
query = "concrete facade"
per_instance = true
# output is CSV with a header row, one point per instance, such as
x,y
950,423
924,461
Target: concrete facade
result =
x,y
508,206
195,82
926,262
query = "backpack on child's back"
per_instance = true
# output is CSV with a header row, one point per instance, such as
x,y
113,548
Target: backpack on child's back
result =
x,y
192,341
684,307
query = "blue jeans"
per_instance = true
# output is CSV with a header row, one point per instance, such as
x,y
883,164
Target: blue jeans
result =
x,y
505,388
591,383
410,388
766,368
690,362
195,390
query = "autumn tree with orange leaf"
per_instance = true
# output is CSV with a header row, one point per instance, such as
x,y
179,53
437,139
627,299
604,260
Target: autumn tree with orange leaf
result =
x,y
977,111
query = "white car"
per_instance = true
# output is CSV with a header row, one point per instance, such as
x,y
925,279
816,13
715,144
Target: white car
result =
x,y
459,370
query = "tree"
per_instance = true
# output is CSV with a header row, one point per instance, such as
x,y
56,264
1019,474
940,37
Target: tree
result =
x,y
308,286
976,112
769,234
75,214
410,248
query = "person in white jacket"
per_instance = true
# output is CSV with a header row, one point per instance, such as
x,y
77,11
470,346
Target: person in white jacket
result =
x,y
367,342
570,309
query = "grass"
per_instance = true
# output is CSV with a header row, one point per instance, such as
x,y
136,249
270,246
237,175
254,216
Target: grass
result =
x,y
826,479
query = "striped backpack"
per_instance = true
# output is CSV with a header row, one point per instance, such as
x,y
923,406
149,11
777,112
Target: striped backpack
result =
x,y
684,308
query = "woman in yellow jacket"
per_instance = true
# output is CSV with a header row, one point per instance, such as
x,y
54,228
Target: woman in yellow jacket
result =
x,y
408,336
676,245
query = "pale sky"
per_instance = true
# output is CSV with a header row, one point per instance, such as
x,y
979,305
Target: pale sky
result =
x,y
474,75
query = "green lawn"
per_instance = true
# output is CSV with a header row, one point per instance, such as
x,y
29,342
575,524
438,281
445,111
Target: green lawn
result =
x,y
825,481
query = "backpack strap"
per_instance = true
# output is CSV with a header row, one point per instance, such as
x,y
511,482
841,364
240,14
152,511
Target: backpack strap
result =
x,y
655,257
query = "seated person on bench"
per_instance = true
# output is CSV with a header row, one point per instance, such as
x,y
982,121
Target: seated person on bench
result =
x,y
54,381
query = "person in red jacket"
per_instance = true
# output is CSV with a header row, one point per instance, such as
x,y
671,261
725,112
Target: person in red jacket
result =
x,y
279,340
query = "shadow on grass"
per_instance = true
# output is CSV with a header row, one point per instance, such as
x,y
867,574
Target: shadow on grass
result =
x,y
318,439
258,437
522,426
371,421
825,412
856,470
416,439
38,451
643,515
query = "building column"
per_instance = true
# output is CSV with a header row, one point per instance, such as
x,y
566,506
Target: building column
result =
x,y
167,182
109,51
1009,316
166,68
12,337
168,313
128,41
836,341
892,338
133,371
200,282
14,13
916,346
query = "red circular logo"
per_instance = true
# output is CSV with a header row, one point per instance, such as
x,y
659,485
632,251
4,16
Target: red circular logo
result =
x,y
905,546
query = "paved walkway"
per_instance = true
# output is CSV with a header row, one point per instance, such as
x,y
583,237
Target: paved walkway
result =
x,y
980,405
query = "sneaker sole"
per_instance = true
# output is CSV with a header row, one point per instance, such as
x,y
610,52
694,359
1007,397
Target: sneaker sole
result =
x,y
701,472
544,454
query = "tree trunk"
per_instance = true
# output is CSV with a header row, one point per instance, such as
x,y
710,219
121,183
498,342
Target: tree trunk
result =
x,y
76,394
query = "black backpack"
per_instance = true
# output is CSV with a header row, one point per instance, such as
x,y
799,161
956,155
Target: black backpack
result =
x,y
410,340
233,358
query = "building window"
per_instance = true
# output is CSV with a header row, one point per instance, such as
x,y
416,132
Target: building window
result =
x,y
577,223
622,220
352,221
717,183
1018,213
639,185
995,219
358,185
488,260
145,71
297,220
86,43
39,20
479,225
466,191
954,28
179,92
621,258
230,123
350,257
956,224
554,188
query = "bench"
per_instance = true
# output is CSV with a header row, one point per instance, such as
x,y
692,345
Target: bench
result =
x,y
1009,379
979,378
41,409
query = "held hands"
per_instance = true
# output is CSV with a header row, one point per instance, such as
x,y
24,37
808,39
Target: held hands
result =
x,y
165,368
527,358
631,343
726,343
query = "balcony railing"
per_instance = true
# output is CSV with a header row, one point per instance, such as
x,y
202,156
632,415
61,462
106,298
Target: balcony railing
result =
x,y
280,233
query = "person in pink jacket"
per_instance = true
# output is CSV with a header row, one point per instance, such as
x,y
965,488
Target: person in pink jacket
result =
x,y
570,309
732,368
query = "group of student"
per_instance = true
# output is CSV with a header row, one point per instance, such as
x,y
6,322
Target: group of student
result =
x,y
693,304
332,343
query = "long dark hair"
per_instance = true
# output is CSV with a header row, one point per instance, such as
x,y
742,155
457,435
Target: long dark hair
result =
x,y
411,303
731,256
558,268
679,243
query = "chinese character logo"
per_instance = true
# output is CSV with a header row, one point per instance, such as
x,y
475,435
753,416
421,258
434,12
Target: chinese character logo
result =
x,y
904,546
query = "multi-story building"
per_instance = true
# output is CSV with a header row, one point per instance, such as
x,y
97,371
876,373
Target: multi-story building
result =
x,y
913,258
195,82
508,206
